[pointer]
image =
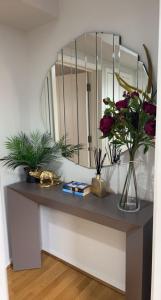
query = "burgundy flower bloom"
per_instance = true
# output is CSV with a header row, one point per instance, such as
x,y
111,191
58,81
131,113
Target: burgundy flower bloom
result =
x,y
149,108
150,127
126,95
106,124
134,94
122,104
106,101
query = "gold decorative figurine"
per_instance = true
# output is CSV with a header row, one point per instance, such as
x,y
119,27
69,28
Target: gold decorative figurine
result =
x,y
47,178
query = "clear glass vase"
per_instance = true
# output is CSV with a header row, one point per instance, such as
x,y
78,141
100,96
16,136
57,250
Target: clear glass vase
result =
x,y
129,201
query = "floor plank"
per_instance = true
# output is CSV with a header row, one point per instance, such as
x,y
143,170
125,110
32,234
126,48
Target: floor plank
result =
x,y
57,281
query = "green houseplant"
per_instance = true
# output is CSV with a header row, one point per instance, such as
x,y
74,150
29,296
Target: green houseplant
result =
x,y
67,149
35,151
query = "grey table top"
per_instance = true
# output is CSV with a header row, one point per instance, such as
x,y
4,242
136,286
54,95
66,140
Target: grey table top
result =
x,y
99,210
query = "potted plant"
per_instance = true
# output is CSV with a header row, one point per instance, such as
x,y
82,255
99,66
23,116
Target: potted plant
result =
x,y
34,151
67,149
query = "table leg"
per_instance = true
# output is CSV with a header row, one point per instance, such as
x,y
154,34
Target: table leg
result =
x,y
138,263
24,231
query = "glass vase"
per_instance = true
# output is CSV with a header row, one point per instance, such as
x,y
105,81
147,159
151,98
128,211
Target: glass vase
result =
x,y
129,201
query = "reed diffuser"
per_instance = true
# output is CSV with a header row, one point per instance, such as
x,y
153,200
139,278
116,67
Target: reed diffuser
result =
x,y
98,186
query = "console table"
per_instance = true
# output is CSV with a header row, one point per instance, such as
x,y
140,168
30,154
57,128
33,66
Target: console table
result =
x,y
23,201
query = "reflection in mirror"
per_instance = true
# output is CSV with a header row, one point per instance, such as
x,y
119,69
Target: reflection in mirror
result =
x,y
67,83
75,85
86,96
116,66
128,68
105,79
142,76
46,102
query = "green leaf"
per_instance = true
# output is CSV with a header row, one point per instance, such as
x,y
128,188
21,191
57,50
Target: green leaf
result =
x,y
150,70
146,148
36,149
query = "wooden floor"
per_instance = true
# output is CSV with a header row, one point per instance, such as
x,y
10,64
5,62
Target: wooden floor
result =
x,y
56,280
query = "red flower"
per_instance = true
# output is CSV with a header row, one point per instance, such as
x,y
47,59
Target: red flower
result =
x,y
134,94
125,94
150,127
106,124
122,104
128,95
106,100
149,108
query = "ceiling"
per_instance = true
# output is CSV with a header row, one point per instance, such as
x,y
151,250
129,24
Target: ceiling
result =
x,y
27,14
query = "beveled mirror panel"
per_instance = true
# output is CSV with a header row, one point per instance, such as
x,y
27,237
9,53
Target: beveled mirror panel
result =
x,y
73,89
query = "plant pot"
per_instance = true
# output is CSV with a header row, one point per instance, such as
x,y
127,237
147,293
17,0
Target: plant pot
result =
x,y
29,178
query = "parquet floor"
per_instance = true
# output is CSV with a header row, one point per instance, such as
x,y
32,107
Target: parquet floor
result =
x,y
57,281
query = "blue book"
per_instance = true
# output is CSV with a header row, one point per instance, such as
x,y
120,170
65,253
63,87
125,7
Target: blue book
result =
x,y
77,188
68,191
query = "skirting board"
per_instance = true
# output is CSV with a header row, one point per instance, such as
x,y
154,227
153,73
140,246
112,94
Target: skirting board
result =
x,y
10,265
77,269
84,272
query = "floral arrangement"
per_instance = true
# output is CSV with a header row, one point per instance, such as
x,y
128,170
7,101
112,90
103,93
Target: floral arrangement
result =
x,y
130,121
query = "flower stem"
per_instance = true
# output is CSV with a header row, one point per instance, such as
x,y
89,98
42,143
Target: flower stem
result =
x,y
130,174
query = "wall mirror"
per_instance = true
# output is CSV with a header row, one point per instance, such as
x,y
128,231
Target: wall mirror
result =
x,y
73,89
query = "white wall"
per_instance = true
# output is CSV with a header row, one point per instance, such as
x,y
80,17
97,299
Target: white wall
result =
x,y
93,248
14,83
13,107
13,92
137,23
